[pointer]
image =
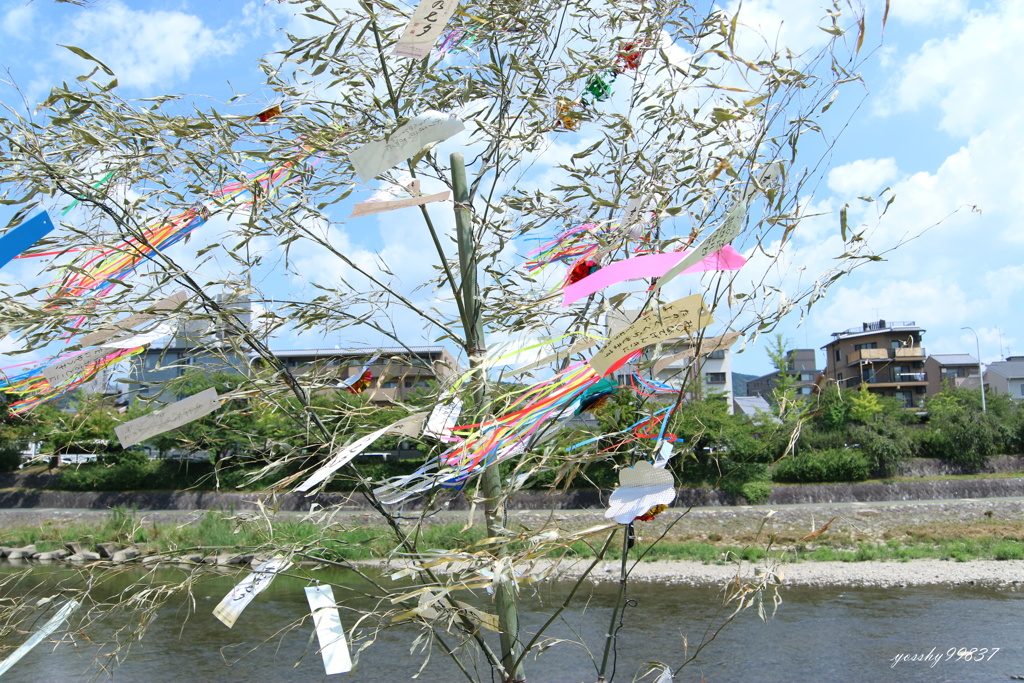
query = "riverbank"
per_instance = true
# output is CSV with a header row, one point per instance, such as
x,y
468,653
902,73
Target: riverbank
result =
x,y
1008,573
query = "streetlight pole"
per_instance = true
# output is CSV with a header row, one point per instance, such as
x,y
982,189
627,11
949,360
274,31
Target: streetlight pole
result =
x,y
981,372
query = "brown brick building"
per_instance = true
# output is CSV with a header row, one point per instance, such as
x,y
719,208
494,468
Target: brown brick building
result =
x,y
886,356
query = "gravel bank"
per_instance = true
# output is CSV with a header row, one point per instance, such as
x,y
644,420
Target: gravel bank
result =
x,y
878,574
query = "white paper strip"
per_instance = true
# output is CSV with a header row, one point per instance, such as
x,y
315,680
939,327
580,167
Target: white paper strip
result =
x,y
664,455
49,627
167,418
345,455
425,28
144,339
230,608
327,621
370,208
374,158
121,327
442,419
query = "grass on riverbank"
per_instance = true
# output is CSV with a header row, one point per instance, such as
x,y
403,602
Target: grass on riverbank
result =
x,y
217,531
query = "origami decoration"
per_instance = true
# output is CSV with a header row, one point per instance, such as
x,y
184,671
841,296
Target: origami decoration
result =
x,y
597,396
581,270
268,114
641,490
361,384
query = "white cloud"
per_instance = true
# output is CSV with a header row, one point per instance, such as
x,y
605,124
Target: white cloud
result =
x,y
17,21
968,75
926,11
862,177
146,49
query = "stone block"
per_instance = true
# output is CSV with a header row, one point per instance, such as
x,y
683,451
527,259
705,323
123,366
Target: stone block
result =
x,y
125,555
22,553
107,549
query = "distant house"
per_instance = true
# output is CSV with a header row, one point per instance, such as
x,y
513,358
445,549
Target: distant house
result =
x,y
751,406
958,370
799,362
887,357
1006,377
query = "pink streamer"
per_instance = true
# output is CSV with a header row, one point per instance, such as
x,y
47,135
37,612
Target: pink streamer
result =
x,y
652,265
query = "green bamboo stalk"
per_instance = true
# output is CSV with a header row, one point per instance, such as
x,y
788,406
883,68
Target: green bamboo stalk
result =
x,y
494,505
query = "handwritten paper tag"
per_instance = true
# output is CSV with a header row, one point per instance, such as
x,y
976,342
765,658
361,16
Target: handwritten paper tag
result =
x,y
370,208
676,319
425,28
144,339
231,606
68,367
124,325
167,418
374,158
49,627
327,621
15,241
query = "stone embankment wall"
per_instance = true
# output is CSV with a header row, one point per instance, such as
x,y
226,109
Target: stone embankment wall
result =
x,y
16,496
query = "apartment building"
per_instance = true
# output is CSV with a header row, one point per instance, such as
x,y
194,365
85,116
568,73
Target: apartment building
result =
x,y
802,363
957,370
885,356
1006,377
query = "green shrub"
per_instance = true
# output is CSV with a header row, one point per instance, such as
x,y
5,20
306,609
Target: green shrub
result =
x,y
10,458
756,492
834,465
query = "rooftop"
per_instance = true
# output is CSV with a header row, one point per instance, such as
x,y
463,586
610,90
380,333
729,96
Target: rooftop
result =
x,y
875,328
367,352
955,359
1011,369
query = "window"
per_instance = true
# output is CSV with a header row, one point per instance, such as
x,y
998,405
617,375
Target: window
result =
x,y
715,377
805,390
1022,388
806,377
868,345
719,354
840,378
895,343
390,384
869,374
839,355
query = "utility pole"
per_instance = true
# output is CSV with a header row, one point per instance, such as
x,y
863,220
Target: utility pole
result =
x,y
981,371
490,479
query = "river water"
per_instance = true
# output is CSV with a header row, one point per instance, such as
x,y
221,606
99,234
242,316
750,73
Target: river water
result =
x,y
817,634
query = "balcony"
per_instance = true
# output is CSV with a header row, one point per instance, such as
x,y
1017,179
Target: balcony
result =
x,y
910,352
867,354
887,379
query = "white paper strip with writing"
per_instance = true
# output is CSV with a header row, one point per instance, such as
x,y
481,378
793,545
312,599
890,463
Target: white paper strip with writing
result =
x,y
122,326
66,368
374,158
345,455
49,627
676,319
144,339
231,606
327,621
175,415
426,26
370,208
442,419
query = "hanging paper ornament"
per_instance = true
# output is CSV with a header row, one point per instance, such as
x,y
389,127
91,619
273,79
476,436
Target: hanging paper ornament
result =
x,y
641,489
567,118
652,513
361,384
268,114
580,271
597,87
597,396
630,55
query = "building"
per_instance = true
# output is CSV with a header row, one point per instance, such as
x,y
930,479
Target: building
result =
x,y
1006,377
398,372
885,356
202,343
958,370
799,362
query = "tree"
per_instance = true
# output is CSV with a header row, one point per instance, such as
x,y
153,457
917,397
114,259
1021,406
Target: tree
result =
x,y
683,128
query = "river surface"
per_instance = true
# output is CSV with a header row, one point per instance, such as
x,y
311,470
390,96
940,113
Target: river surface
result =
x,y
817,634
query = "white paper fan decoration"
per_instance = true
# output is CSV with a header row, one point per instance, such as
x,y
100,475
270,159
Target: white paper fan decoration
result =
x,y
641,487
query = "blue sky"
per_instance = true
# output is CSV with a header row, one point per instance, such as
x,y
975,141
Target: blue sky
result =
x,y
939,123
